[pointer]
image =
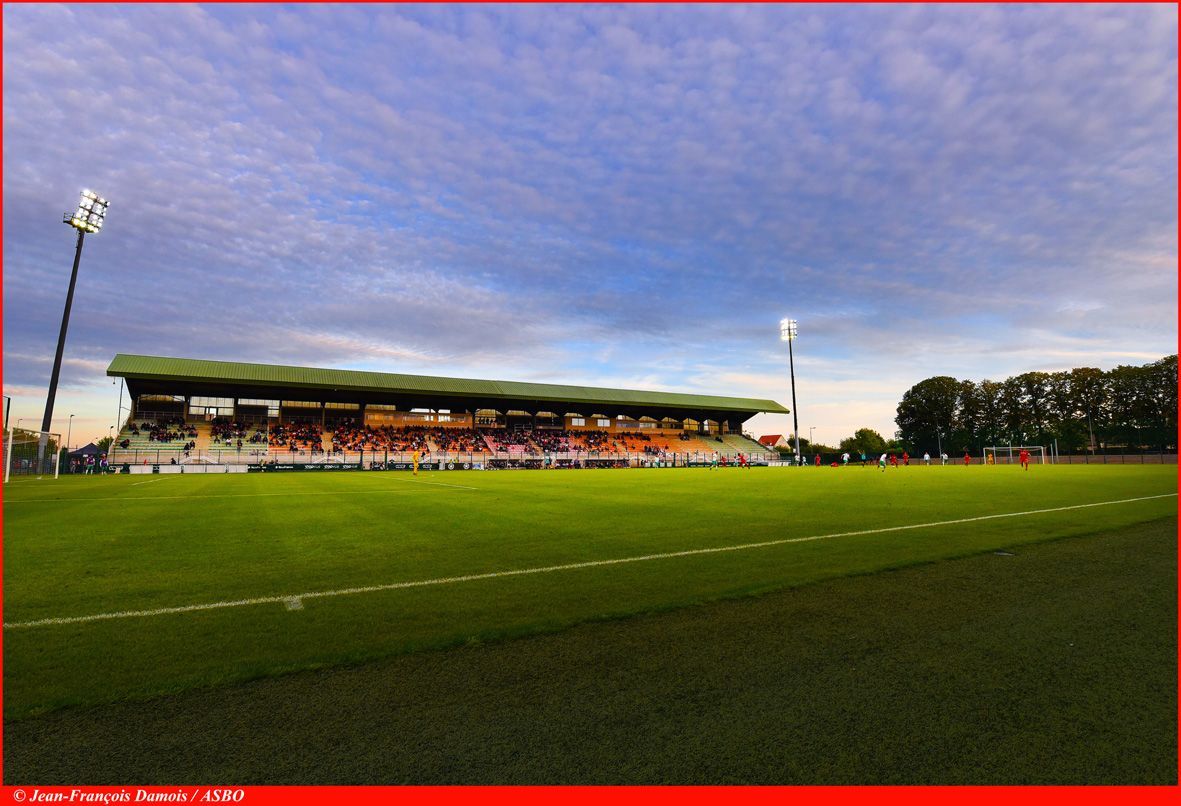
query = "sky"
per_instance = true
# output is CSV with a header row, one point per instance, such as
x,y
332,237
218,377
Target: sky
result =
x,y
624,196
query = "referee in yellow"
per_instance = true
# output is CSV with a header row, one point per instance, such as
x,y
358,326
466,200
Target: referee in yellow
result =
x,y
414,457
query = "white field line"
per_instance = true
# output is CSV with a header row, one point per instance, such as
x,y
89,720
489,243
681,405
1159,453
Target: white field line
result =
x,y
149,481
295,601
439,484
298,494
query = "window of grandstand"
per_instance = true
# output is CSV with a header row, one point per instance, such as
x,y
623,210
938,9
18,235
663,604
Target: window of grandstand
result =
x,y
603,423
300,404
577,421
211,406
272,406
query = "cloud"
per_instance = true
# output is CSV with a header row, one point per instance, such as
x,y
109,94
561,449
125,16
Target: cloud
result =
x,y
593,193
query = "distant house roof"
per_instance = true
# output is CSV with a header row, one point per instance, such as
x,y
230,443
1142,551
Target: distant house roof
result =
x,y
771,440
87,450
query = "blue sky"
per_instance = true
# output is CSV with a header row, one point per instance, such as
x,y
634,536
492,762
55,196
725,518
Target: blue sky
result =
x,y
617,196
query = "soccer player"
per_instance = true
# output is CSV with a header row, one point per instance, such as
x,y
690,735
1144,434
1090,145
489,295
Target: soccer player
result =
x,y
927,459
905,459
818,460
1024,459
967,459
882,462
713,461
414,457
845,459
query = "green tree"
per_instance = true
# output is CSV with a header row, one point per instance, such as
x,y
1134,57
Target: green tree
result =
x,y
927,412
864,440
1129,405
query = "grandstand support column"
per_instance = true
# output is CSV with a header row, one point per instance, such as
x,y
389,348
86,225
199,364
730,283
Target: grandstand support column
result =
x,y
118,411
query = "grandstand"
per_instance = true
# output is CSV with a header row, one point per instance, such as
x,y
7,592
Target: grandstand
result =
x,y
192,412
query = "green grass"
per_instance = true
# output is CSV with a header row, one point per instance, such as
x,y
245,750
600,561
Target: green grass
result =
x,y
95,545
1056,664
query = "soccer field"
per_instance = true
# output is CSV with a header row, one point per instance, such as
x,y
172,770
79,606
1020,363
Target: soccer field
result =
x,y
130,586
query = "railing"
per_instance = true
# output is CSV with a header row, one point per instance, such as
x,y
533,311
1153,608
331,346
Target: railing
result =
x,y
483,459
1116,459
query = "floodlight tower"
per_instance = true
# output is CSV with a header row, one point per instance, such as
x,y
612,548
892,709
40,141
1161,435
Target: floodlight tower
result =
x,y
788,332
92,210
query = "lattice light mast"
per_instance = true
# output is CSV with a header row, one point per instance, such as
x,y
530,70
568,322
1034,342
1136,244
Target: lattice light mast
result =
x,y
788,332
89,217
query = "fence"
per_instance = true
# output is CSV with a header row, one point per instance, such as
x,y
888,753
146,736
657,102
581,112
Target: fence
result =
x,y
1117,459
486,459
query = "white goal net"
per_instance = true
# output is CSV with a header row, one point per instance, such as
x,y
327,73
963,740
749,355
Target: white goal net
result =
x,y
31,453
1011,454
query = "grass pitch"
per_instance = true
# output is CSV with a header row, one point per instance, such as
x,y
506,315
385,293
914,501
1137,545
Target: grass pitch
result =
x,y
88,547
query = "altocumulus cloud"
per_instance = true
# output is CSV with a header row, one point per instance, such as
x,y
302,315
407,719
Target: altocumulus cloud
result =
x,y
598,194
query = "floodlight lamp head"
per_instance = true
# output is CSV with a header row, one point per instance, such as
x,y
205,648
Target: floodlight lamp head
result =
x,y
787,329
90,215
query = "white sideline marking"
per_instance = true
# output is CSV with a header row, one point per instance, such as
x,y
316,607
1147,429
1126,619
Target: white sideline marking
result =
x,y
220,495
295,601
438,484
149,481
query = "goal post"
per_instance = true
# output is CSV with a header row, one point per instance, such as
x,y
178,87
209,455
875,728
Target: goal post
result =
x,y
1011,454
31,453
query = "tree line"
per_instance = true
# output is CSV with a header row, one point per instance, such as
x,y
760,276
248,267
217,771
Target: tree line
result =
x,y
1130,407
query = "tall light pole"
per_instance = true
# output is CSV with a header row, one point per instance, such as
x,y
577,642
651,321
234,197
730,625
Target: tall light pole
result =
x,y
89,217
788,332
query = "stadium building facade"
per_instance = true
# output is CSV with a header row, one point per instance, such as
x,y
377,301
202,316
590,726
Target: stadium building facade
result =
x,y
260,398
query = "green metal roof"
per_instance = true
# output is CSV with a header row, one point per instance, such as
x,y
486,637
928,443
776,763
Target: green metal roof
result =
x,y
197,370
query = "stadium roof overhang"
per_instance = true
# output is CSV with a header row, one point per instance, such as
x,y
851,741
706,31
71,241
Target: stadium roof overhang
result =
x,y
194,377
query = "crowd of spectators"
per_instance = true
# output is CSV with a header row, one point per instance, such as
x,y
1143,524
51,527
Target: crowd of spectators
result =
x,y
458,440
297,437
222,430
552,441
163,430
505,441
350,435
